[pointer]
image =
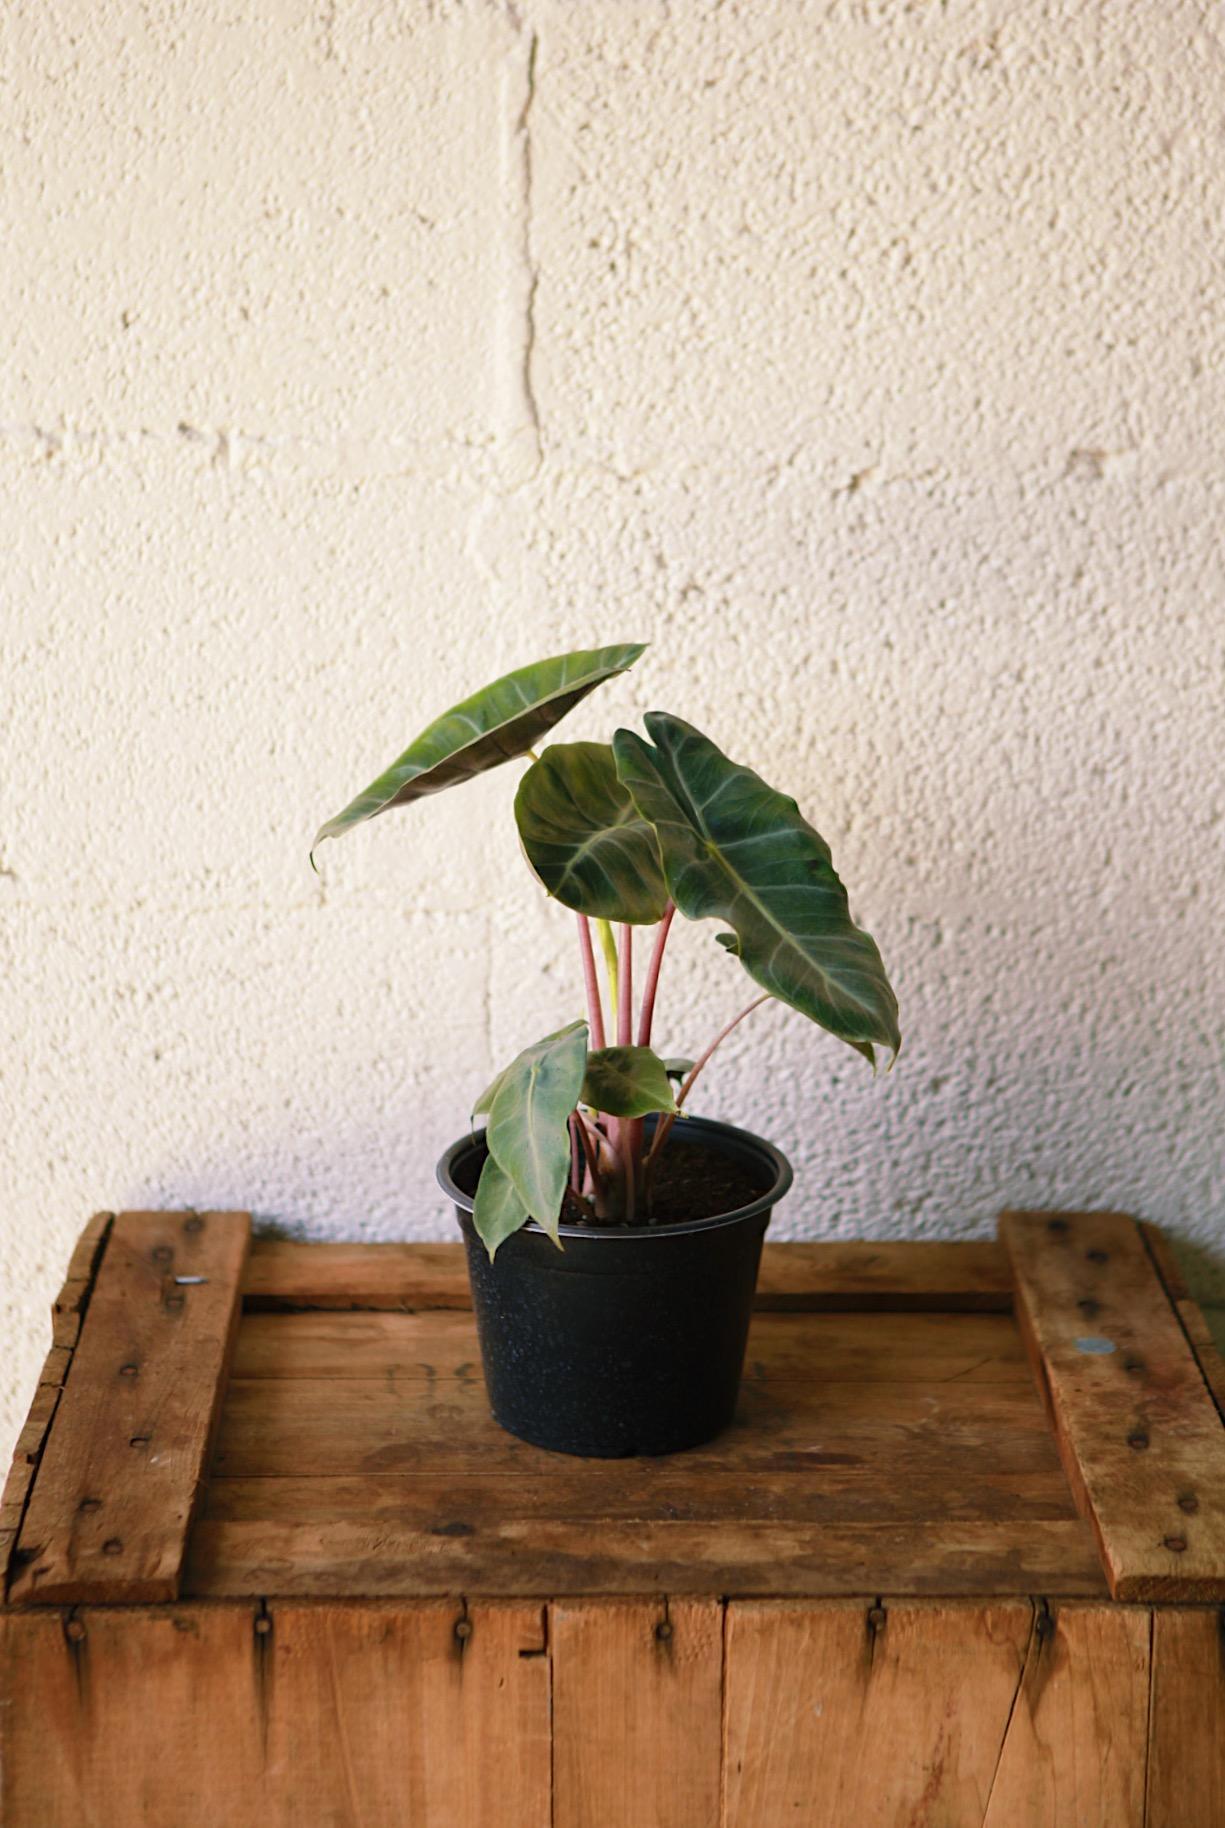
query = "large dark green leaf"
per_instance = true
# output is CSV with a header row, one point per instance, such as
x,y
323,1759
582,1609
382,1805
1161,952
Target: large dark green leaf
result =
x,y
627,1082
497,1210
502,721
735,848
586,840
528,1130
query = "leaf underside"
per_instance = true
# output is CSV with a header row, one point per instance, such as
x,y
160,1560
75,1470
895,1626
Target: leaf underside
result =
x,y
736,849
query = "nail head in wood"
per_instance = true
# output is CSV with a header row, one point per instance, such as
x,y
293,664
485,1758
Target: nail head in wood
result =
x,y
463,1629
1188,1502
112,1546
1137,1439
90,1504
1175,1544
161,1253
194,1223
263,1625
74,1631
129,1370
663,1631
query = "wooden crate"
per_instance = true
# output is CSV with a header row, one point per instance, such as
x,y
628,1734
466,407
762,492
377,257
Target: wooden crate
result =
x,y
959,1561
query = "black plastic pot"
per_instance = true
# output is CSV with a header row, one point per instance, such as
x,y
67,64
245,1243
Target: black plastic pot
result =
x,y
629,1340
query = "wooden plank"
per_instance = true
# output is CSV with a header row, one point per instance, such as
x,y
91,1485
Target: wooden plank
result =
x,y
890,1715
231,1716
284,1274
543,1557
66,1311
1193,1321
1186,1764
920,1433
636,1701
121,1472
833,1347
890,1276
129,1717
385,1716
589,1492
1142,1442
1074,1750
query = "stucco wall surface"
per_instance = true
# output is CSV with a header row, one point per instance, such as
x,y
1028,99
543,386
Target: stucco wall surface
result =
x,y
867,358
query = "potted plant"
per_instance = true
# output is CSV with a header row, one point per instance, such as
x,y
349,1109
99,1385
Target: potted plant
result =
x,y
612,1239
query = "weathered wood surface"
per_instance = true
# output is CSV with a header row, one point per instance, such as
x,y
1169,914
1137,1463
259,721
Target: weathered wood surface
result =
x,y
434,1347
1194,1323
237,1717
1139,1432
69,1305
124,1461
889,1714
886,1277
537,1557
999,1714
636,1714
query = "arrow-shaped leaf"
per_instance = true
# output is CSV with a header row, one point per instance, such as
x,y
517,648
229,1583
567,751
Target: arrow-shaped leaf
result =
x,y
627,1082
586,840
497,1210
528,1131
502,721
735,848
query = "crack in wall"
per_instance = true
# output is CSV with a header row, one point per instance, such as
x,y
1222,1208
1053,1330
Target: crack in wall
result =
x,y
516,475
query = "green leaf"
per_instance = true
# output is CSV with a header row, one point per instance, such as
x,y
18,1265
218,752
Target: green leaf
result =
x,y
735,848
627,1082
497,1210
586,840
528,1130
485,1101
502,721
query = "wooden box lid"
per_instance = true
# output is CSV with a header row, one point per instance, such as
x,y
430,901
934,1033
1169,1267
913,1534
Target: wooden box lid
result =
x,y
1036,1416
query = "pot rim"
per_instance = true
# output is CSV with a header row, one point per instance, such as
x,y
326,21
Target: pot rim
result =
x,y
706,1127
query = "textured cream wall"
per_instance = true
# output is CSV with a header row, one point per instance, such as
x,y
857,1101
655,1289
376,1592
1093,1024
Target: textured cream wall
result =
x,y
868,358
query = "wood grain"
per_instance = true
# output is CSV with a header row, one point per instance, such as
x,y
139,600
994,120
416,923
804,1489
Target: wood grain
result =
x,y
924,1434
1141,1439
589,1492
436,1346
543,1557
70,1303
890,1276
1075,1745
893,1715
1186,1763
240,1717
121,1472
130,1718
381,1717
636,1690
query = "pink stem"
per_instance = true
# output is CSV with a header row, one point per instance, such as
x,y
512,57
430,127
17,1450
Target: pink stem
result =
x,y
625,987
622,1128
595,1008
646,1014
662,1129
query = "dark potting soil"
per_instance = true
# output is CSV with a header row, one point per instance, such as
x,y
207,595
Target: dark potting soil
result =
x,y
690,1182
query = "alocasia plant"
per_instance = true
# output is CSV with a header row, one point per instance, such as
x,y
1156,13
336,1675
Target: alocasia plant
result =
x,y
627,835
